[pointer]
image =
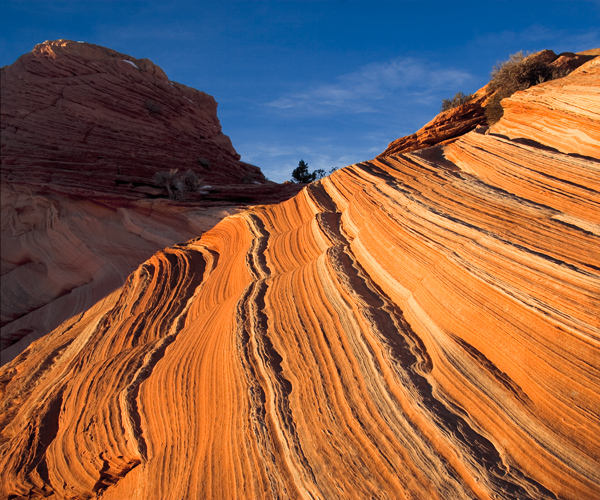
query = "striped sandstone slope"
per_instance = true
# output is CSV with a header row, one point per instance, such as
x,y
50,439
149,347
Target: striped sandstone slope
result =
x,y
446,127
560,113
84,131
423,325
62,253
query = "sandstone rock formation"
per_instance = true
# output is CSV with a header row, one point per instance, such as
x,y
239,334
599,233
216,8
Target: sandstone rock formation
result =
x,y
61,254
559,113
84,130
71,111
423,325
453,123
445,127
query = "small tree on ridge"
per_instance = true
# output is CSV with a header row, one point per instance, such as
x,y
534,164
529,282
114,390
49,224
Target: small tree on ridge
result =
x,y
301,175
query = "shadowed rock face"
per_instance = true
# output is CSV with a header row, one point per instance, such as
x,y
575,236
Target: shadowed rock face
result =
x,y
61,253
84,130
72,111
423,325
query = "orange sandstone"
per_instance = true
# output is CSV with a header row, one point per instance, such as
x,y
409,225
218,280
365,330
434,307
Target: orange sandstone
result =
x,y
422,325
84,130
446,127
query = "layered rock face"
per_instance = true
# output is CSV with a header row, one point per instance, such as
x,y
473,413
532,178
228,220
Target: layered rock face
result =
x,y
61,254
565,115
445,127
78,114
453,123
423,325
84,131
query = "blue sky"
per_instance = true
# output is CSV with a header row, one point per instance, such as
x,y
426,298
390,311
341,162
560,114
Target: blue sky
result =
x,y
328,81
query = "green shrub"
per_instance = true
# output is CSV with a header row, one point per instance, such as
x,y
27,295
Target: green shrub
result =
x,y
301,175
458,100
318,174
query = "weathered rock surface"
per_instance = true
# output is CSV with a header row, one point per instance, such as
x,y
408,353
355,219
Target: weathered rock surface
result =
x,y
445,127
84,130
560,113
61,254
453,123
80,114
423,325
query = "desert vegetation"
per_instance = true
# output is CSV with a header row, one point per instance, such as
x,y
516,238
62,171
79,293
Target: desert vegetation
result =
x,y
178,183
519,72
301,175
458,100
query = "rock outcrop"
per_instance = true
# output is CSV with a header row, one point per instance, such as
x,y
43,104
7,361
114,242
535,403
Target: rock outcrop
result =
x,y
423,325
84,131
559,113
61,254
78,114
445,127
453,123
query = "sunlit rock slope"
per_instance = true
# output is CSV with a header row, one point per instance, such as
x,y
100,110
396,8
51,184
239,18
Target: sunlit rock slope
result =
x,y
564,118
84,131
455,122
420,326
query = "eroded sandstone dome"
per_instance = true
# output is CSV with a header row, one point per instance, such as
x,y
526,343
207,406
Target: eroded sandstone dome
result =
x,y
80,114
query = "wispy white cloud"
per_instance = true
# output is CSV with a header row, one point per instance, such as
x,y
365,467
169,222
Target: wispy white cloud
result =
x,y
370,88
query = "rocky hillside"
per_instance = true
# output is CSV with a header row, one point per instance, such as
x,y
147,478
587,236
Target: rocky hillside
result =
x,y
423,325
71,111
455,122
84,132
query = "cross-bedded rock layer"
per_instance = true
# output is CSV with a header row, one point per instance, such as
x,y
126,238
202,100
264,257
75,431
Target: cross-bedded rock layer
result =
x,y
446,127
84,131
61,254
423,325
77,114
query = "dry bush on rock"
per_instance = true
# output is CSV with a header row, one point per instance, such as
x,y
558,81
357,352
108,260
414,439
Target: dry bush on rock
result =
x,y
519,72
178,183
458,100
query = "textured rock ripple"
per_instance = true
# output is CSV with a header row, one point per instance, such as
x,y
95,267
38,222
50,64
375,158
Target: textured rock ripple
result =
x,y
419,326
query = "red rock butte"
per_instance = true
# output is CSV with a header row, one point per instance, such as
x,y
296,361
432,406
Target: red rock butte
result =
x,y
77,109
422,325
